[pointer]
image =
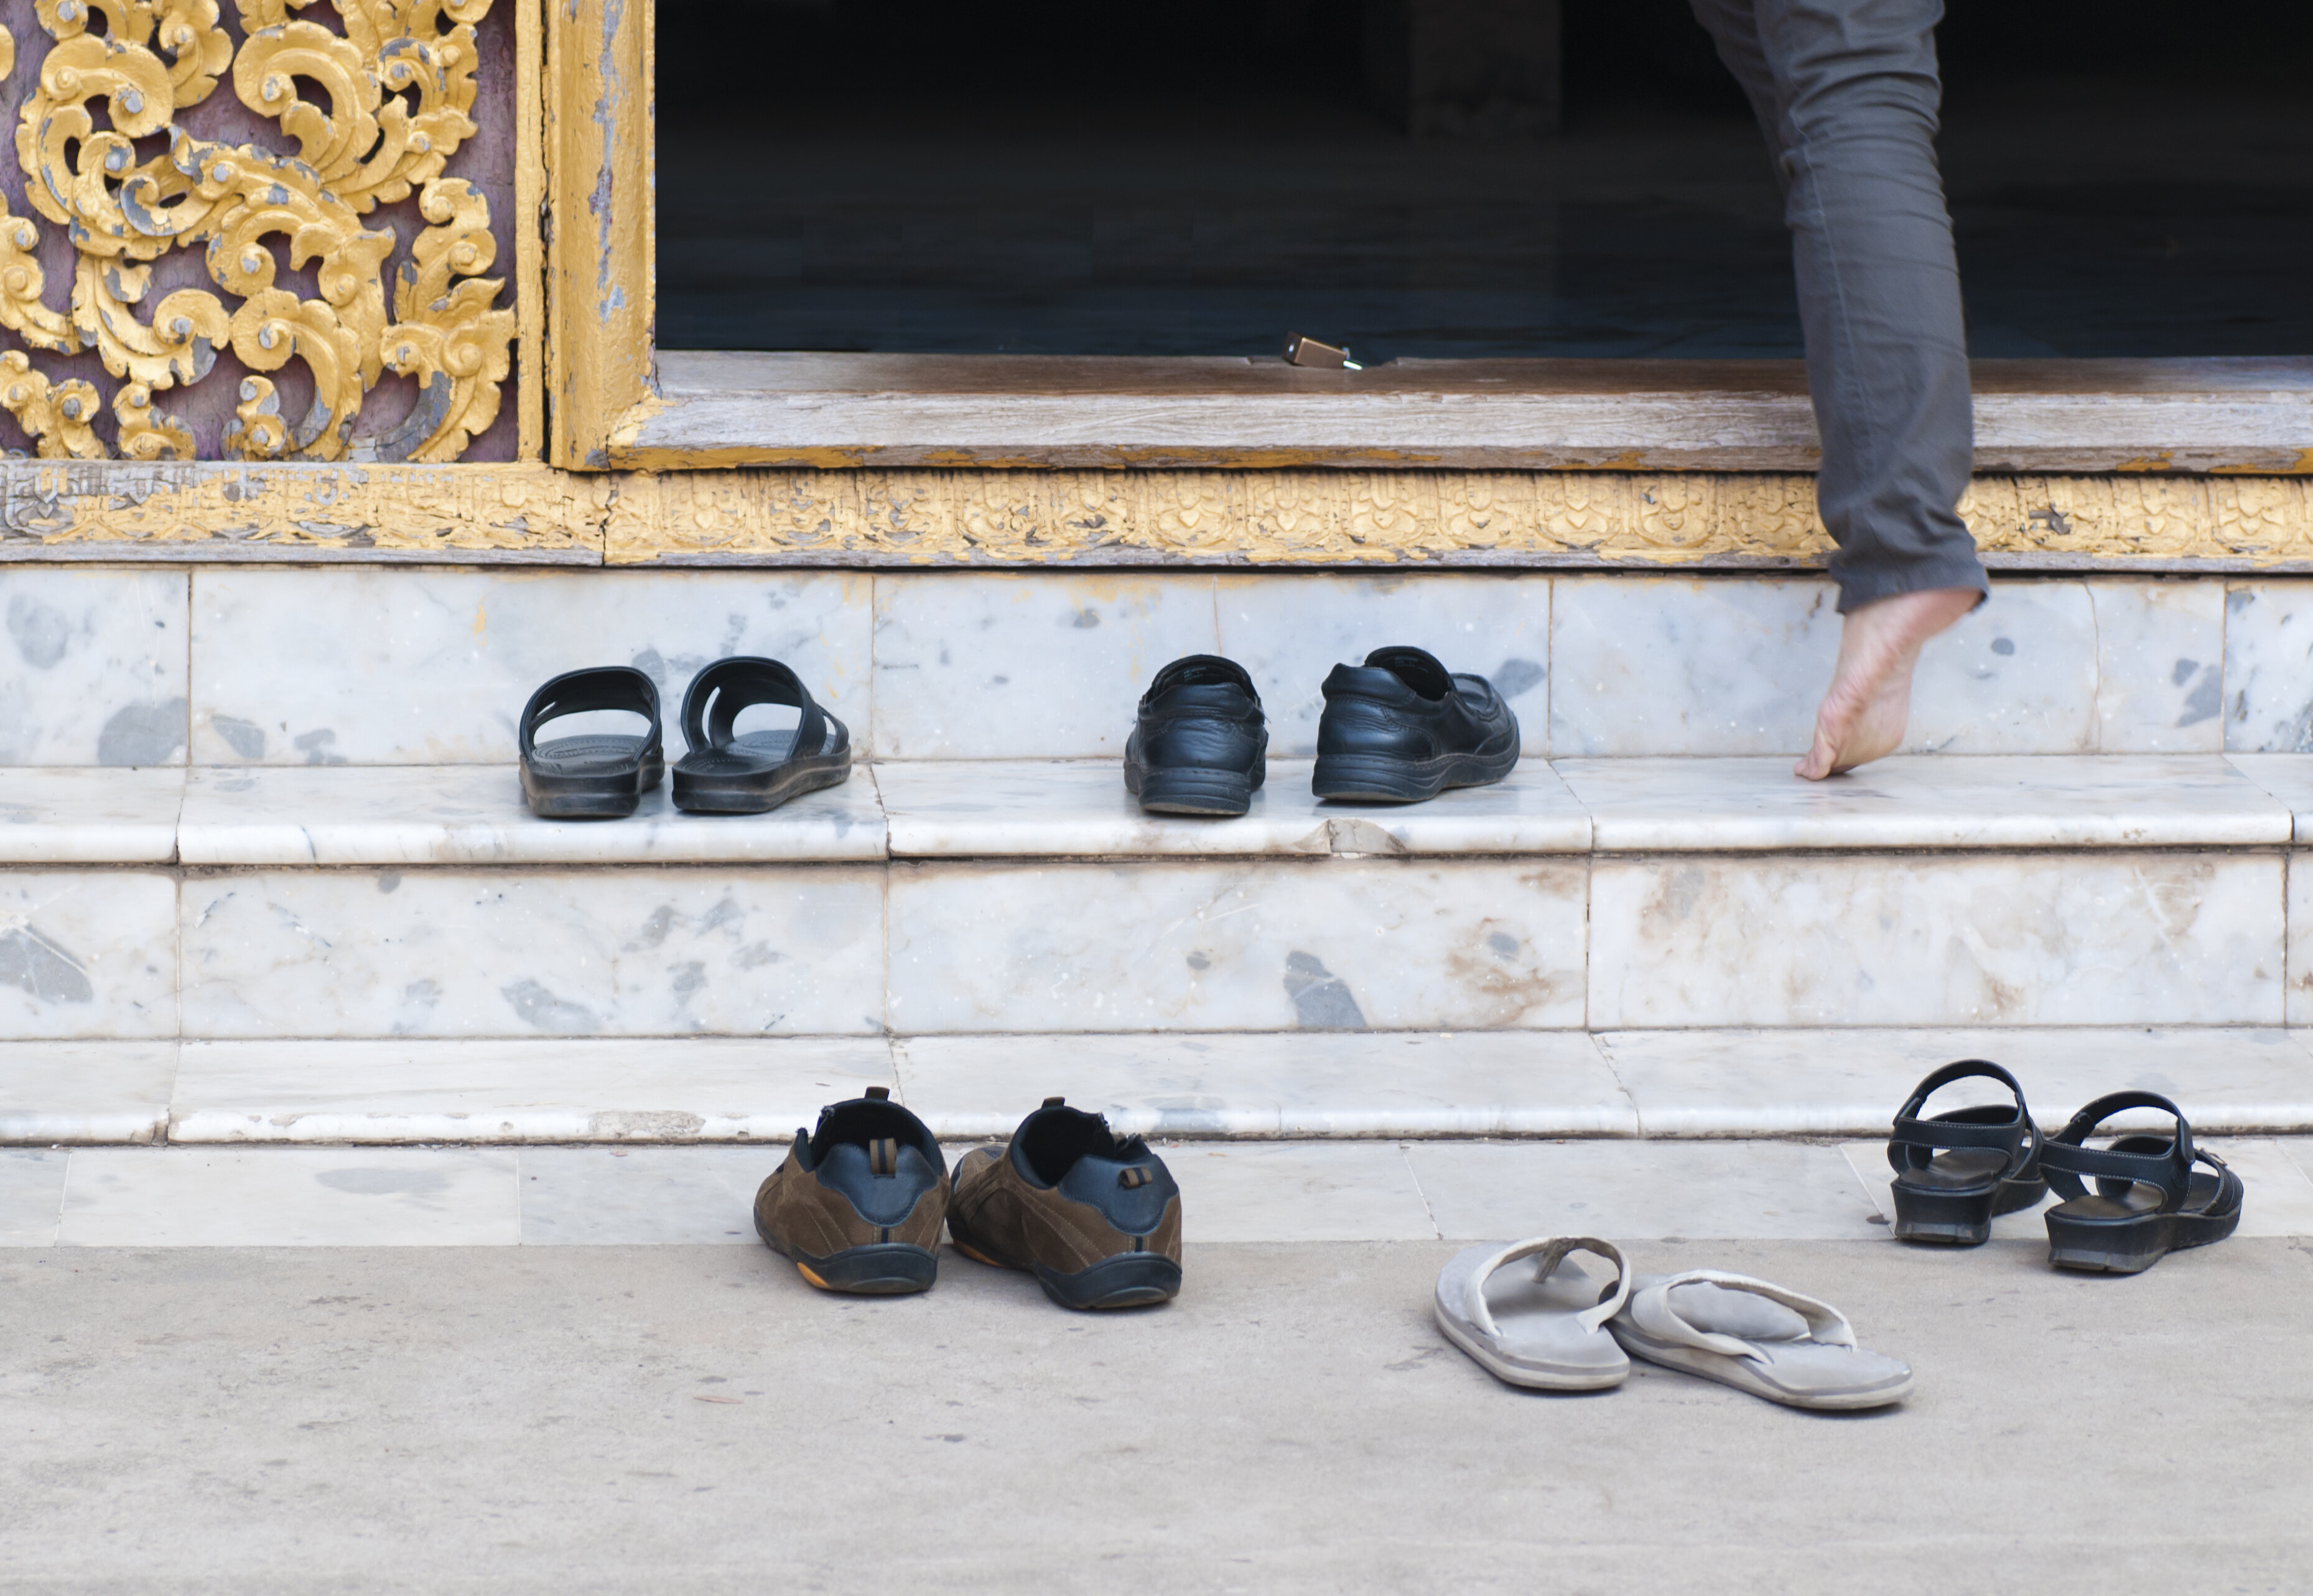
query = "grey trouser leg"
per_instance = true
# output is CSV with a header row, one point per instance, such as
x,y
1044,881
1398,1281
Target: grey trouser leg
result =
x,y
1847,93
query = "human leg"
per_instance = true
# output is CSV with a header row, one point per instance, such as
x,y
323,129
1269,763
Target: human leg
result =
x,y
1848,92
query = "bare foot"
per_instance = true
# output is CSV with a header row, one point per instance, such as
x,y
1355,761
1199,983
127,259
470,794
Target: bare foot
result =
x,y
1869,704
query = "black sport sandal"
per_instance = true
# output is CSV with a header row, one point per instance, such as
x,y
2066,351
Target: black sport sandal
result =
x,y
2148,1200
728,774
1992,1165
599,778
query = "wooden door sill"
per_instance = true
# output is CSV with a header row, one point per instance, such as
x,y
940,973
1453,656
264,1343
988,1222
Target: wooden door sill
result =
x,y
1038,412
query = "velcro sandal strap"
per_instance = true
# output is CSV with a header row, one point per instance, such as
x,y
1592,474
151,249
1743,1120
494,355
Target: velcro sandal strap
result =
x,y
739,683
1549,1252
1650,1309
597,687
1911,1129
2170,1167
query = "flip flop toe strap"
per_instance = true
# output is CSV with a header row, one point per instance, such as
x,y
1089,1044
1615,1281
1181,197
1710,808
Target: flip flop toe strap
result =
x,y
712,704
1549,1252
1651,1311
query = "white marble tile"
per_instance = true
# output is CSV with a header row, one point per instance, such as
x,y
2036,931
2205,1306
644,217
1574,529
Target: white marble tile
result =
x,y
569,1090
474,814
792,950
81,815
2276,1196
292,1197
630,1196
971,808
1027,665
1660,665
2269,667
1635,1191
394,666
87,954
31,1195
1735,666
1943,801
92,668
2288,778
2160,666
2298,1151
1289,629
1849,1082
1297,1191
2013,939
2301,939
1261,945
2018,676
85,1091
1403,1083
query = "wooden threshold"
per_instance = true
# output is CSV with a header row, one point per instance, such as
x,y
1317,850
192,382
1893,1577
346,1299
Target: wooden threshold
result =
x,y
722,410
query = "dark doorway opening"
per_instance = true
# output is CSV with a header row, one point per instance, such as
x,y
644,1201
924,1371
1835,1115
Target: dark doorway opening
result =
x,y
1196,177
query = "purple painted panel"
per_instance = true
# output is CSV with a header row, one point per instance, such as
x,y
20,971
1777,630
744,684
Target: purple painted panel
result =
x,y
487,161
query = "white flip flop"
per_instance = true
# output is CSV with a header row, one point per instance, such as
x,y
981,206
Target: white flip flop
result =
x,y
1756,1336
1543,1330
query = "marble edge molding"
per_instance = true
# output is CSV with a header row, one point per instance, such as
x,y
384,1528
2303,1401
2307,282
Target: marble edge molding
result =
x,y
197,512
1614,827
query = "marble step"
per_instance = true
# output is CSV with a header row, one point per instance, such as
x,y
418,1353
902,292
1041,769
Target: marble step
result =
x,y
1651,1084
937,897
1230,1191
390,665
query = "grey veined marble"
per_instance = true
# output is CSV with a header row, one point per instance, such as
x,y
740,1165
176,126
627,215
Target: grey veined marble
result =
x,y
2269,667
1259,945
760,951
402,667
92,668
87,954
2004,939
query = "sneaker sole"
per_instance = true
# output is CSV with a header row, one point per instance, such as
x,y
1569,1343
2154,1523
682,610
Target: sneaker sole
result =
x,y
877,1269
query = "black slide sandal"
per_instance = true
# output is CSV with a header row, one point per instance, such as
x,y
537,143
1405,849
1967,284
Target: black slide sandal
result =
x,y
599,776
2148,1200
728,774
1958,1170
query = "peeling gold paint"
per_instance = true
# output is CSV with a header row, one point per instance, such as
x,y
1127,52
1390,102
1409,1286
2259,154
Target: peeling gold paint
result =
x,y
269,512
600,289
65,509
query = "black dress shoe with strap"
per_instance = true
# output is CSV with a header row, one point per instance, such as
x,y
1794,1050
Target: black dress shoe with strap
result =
x,y
1200,744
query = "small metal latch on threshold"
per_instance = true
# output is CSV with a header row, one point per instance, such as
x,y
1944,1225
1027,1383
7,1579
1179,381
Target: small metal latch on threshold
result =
x,y
1301,351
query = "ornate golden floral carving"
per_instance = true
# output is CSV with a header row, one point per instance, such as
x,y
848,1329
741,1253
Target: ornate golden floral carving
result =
x,y
394,95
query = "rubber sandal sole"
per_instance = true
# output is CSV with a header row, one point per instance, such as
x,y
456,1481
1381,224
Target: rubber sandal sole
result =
x,y
1526,1376
1739,1373
1190,791
2131,1246
1960,1219
757,794
1375,778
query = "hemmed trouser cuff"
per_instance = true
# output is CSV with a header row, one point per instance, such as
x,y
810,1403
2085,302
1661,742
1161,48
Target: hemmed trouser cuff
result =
x,y
1959,568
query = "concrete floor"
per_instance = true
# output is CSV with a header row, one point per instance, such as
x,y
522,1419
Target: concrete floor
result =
x,y
693,1418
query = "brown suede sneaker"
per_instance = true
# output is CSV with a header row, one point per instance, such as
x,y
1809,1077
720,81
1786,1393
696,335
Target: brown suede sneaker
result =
x,y
857,1204
1096,1219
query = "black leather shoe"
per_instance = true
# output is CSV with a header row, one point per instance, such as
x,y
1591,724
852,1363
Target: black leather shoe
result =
x,y
1399,729
1201,746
